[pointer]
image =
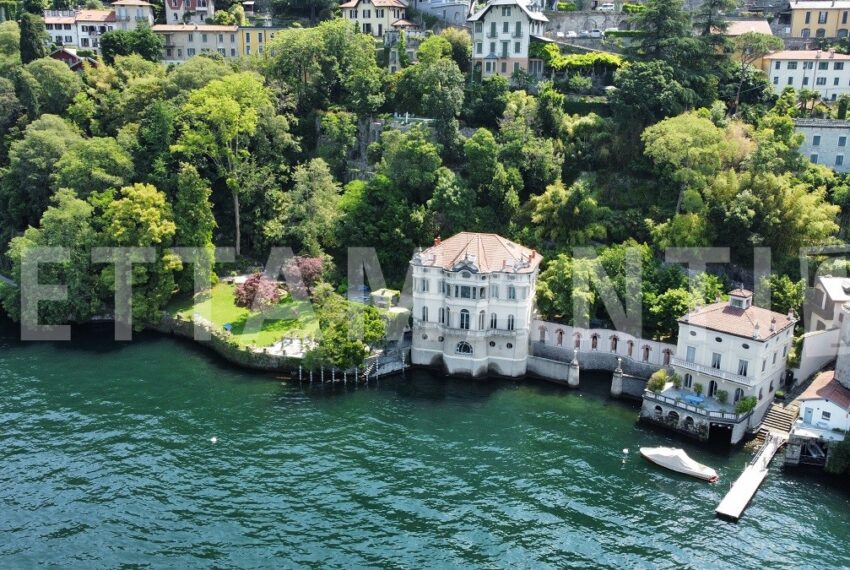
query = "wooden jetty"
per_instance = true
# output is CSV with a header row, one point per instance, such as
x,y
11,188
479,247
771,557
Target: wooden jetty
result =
x,y
739,496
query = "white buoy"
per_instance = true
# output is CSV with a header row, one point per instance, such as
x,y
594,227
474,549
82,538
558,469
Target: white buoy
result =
x,y
626,451
213,439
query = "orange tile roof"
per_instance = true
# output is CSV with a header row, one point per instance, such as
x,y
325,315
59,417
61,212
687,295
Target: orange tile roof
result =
x,y
741,27
807,54
486,253
378,3
193,28
826,387
95,16
723,317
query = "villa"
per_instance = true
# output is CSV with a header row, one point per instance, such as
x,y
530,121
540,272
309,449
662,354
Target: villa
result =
x,y
473,297
726,351
501,37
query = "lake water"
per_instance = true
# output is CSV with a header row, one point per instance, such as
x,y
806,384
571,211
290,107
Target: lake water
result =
x,y
106,461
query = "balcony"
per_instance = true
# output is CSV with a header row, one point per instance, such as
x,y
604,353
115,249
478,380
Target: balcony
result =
x,y
492,35
417,323
710,408
709,371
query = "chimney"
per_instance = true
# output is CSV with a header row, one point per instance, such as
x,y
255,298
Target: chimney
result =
x,y
756,332
437,240
773,324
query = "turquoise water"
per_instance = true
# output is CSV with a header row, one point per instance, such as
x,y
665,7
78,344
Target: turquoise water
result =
x,y
107,462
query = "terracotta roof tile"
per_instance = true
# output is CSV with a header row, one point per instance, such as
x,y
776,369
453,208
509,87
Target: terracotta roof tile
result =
x,y
826,387
723,317
487,253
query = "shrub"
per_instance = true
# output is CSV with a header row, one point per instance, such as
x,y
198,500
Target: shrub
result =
x,y
722,396
657,381
780,394
839,457
633,8
257,292
698,389
567,7
745,405
676,380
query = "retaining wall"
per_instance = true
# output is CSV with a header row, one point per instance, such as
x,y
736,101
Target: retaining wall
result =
x,y
818,349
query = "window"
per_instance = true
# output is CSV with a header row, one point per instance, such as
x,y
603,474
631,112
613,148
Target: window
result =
x,y
844,17
232,52
839,161
646,350
463,347
465,292
790,81
808,65
688,381
838,66
614,342
260,37
822,17
825,415
492,29
190,51
715,361
517,47
510,322
424,314
247,37
712,388
481,319
778,65
820,81
813,158
742,367
805,33
559,337
232,38
494,321
479,27
464,319
506,28
842,141
516,66
805,81
425,285
776,80
594,342
494,291
511,292
518,30
479,48
792,65
204,38
763,364
504,67
692,353
808,17
739,393
823,65
441,315
816,140
221,38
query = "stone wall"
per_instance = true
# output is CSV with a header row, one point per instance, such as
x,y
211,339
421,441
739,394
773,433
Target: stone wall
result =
x,y
818,349
585,20
552,370
690,424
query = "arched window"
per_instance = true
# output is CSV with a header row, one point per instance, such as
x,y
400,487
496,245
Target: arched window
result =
x,y
646,350
673,417
559,337
630,346
494,321
820,33
577,343
463,347
667,353
739,393
424,314
482,319
464,319
842,33
688,381
542,334
594,341
805,33
689,422
658,411
614,342
712,388
510,322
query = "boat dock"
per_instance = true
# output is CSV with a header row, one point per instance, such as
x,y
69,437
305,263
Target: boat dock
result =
x,y
739,496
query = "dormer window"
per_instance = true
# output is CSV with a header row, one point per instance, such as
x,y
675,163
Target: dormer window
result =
x,y
740,299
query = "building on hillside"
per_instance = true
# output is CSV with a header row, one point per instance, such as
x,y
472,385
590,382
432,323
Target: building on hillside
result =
x,y
825,405
375,17
189,11
473,298
501,38
70,57
726,351
820,18
412,38
79,28
129,14
825,301
255,39
454,12
182,41
825,142
826,72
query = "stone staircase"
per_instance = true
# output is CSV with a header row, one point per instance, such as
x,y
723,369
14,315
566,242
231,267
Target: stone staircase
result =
x,y
778,418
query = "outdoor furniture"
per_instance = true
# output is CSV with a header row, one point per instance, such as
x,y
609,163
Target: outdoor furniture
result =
x,y
694,400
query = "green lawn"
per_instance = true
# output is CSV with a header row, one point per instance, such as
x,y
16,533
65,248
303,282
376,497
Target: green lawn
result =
x,y
289,318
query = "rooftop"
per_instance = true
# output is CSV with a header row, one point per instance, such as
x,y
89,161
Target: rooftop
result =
x,y
193,28
378,3
822,123
482,253
741,27
131,3
819,4
523,5
750,322
836,288
95,16
806,54
826,387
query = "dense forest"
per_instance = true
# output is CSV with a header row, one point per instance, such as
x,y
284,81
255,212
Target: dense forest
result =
x,y
687,147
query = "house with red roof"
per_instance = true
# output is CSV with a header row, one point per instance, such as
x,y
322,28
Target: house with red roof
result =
x,y
377,17
825,404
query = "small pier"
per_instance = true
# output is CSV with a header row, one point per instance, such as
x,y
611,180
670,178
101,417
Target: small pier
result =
x,y
739,496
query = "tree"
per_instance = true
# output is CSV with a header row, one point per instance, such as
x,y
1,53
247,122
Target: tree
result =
x,y
662,23
569,216
481,152
751,47
36,7
312,208
26,187
194,222
451,207
142,41
486,102
710,17
461,43
10,47
142,217
257,292
224,18
57,85
310,269
193,74
93,165
403,57
647,92
410,161
33,38
441,84
218,121
433,49
338,139
785,293
348,330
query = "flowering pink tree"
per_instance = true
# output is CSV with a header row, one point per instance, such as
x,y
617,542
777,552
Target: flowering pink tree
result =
x,y
257,292
310,269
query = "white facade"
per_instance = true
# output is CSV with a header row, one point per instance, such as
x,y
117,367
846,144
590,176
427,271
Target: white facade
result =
x,y
501,36
826,72
375,17
823,414
189,11
129,14
470,317
825,142
62,28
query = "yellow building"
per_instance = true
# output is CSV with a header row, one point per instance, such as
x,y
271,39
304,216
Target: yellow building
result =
x,y
820,18
182,41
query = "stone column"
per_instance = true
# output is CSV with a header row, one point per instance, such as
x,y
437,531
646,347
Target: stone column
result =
x,y
572,375
617,380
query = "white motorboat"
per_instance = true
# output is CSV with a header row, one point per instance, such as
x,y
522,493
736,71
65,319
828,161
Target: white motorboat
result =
x,y
677,460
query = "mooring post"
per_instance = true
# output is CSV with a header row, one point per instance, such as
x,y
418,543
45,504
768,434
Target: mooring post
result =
x,y
333,374
322,374
311,376
299,373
